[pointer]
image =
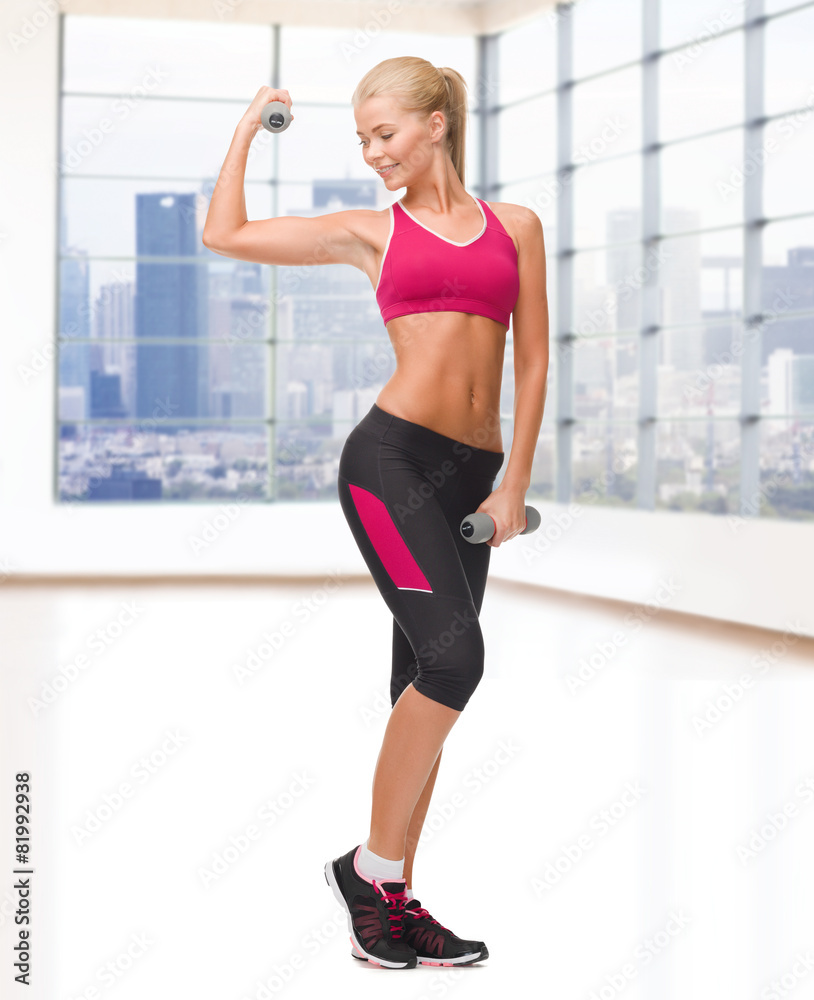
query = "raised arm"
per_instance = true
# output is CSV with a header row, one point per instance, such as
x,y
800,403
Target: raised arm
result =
x,y
291,240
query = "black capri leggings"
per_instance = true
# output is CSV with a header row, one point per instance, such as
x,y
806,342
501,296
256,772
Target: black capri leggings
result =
x,y
404,490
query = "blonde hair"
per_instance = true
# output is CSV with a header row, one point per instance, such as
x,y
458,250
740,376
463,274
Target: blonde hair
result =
x,y
419,86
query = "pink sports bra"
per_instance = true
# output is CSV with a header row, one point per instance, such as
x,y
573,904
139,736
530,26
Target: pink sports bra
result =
x,y
423,271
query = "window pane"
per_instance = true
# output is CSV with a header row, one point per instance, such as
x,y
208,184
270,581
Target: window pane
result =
x,y
606,290
162,382
543,456
701,89
694,273
788,266
698,465
686,389
773,6
97,300
721,279
625,271
606,377
607,116
472,160
787,366
789,145
325,64
527,137
544,463
164,301
322,301
121,55
326,301
697,21
95,140
238,303
539,194
326,147
788,62
117,218
786,470
99,462
307,457
702,182
606,33
532,47
336,380
605,458
606,195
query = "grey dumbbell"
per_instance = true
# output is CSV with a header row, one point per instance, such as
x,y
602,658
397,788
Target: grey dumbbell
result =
x,y
275,116
481,527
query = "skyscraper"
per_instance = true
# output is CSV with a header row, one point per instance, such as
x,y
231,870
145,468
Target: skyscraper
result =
x,y
169,302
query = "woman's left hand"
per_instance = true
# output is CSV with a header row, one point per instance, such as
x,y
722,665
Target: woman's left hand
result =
x,y
507,508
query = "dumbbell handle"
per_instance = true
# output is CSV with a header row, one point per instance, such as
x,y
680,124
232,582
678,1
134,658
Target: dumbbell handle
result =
x,y
481,527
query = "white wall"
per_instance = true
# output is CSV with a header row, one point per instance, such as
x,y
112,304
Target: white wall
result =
x,y
756,572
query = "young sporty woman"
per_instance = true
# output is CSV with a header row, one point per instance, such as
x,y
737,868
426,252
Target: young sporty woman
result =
x,y
448,271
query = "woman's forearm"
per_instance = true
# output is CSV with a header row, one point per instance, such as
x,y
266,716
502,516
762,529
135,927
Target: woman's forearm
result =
x,y
529,403
227,206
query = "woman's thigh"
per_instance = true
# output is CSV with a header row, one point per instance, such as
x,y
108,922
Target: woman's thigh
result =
x,y
471,491
404,490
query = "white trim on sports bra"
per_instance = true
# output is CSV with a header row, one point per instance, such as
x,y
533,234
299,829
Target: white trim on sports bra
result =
x,y
446,238
386,247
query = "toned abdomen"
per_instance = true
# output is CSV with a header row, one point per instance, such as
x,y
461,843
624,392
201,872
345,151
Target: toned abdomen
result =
x,y
449,369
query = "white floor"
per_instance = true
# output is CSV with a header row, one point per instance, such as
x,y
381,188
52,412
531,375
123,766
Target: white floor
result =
x,y
598,838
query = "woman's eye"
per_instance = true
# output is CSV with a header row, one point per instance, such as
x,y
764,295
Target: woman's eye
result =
x,y
362,142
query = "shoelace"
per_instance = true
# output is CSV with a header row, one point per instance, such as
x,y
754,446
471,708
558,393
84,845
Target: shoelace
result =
x,y
395,902
419,911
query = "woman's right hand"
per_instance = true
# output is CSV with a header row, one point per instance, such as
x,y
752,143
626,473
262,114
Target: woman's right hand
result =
x,y
263,97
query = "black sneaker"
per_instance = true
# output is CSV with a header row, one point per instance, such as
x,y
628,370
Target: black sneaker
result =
x,y
435,944
375,912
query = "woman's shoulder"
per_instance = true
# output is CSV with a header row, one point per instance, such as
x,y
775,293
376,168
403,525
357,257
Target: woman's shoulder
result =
x,y
368,223
519,221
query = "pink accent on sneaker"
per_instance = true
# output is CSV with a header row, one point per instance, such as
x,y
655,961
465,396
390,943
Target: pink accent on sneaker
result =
x,y
386,539
418,911
395,904
395,901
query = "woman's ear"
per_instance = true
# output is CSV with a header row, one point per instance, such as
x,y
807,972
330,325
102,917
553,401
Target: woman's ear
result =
x,y
437,124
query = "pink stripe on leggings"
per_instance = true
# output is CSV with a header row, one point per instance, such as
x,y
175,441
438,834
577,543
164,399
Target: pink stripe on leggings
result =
x,y
390,547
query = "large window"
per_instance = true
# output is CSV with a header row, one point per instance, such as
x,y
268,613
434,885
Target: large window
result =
x,y
676,203
679,228
184,375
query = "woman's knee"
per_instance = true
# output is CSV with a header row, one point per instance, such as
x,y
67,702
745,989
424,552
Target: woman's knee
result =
x,y
451,666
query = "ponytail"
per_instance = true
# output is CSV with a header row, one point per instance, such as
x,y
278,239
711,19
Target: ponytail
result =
x,y
456,116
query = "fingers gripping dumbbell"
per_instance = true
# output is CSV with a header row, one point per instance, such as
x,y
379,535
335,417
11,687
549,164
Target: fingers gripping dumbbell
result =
x,y
481,527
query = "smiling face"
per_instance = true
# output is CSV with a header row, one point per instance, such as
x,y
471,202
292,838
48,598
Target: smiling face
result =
x,y
391,136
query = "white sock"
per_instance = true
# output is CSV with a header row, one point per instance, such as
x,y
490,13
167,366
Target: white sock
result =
x,y
381,869
409,893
